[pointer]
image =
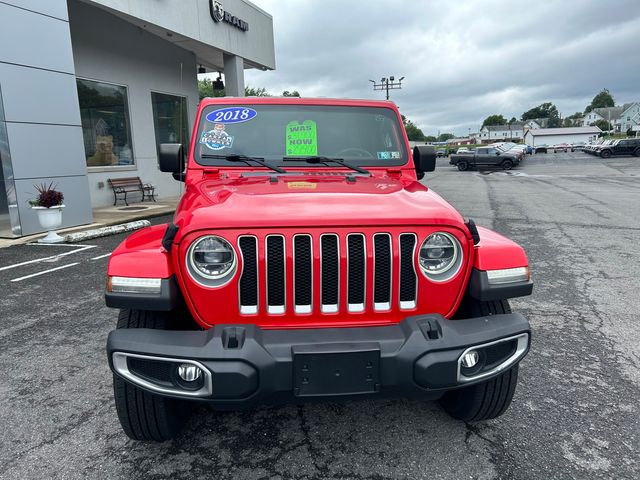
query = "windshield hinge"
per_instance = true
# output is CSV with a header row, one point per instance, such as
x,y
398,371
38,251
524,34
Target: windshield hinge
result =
x,y
211,172
394,172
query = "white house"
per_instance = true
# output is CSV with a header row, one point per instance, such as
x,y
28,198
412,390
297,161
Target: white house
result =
x,y
554,136
513,132
630,117
610,114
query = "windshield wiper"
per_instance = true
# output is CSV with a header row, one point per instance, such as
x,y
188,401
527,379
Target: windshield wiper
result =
x,y
243,158
325,160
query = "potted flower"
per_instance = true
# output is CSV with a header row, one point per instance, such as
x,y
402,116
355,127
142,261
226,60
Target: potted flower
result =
x,y
48,205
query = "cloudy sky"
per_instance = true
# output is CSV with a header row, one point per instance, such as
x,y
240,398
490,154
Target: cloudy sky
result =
x,y
462,60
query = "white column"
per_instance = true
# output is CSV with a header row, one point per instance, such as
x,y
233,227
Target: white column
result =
x,y
233,75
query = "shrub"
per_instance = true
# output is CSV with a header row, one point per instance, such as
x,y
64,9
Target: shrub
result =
x,y
47,197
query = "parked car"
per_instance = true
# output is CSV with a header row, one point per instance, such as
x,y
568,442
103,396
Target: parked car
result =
x,y
463,150
541,148
487,157
562,147
305,270
578,146
441,153
628,146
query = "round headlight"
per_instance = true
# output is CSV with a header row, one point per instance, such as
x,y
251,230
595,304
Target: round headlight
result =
x,y
438,254
212,257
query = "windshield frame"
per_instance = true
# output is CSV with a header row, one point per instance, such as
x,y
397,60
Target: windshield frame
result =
x,y
396,129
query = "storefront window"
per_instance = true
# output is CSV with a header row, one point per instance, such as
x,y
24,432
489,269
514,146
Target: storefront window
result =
x,y
104,111
170,118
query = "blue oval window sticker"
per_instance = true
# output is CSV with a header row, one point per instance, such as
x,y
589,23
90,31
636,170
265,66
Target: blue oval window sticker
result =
x,y
232,115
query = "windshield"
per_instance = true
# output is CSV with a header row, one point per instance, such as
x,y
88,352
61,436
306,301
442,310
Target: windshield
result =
x,y
364,136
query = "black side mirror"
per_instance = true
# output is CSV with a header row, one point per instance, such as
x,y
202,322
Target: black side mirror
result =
x,y
171,157
424,159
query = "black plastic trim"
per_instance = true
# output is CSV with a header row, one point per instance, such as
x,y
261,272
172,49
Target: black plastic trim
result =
x,y
166,300
169,235
418,358
480,288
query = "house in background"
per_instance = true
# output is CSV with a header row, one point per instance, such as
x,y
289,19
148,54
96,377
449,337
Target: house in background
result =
x,y
630,117
500,133
537,123
609,114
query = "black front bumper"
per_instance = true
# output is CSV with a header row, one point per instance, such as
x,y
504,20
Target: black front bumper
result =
x,y
245,365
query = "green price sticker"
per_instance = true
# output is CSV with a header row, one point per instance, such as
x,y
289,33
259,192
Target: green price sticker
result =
x,y
301,139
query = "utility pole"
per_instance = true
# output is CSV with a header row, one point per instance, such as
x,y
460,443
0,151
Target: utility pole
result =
x,y
387,84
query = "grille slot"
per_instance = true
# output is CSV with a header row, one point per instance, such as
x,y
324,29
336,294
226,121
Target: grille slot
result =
x,y
302,274
276,282
248,286
356,272
382,271
408,277
329,273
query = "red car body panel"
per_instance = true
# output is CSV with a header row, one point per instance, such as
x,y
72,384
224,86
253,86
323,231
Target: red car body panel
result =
x,y
219,200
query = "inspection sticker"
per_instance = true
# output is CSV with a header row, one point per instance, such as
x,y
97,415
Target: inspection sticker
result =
x,y
388,155
301,138
217,139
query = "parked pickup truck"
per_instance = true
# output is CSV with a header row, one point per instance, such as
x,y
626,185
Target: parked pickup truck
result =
x,y
485,156
306,262
628,146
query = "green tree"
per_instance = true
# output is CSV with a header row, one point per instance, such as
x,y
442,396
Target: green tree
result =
x,y
293,93
601,100
443,137
574,120
413,132
493,120
602,125
430,138
544,110
513,120
205,89
256,92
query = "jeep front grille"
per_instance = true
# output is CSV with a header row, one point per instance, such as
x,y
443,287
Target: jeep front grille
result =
x,y
319,290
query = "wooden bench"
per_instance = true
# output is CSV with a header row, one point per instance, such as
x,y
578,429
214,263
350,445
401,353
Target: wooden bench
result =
x,y
123,186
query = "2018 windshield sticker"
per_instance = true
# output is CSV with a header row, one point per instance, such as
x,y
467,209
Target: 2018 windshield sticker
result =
x,y
232,115
217,139
388,155
302,139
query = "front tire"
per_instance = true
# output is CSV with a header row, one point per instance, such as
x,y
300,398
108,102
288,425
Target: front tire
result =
x,y
605,154
636,153
463,166
143,415
482,401
491,398
507,165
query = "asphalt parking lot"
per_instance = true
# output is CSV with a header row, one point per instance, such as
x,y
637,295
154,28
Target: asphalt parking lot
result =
x,y
575,415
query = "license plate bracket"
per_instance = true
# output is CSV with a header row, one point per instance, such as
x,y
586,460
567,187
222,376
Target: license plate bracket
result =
x,y
339,369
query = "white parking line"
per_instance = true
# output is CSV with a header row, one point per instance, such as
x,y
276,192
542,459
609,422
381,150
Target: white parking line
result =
x,y
15,265
19,279
101,256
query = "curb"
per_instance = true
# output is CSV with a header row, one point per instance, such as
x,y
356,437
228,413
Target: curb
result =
x,y
105,231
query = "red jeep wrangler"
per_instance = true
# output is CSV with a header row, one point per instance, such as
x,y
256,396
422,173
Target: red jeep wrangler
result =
x,y
304,262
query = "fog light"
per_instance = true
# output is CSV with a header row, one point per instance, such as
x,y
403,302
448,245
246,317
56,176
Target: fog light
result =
x,y
189,372
470,359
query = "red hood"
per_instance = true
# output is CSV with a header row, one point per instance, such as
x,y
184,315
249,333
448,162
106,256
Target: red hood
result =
x,y
310,200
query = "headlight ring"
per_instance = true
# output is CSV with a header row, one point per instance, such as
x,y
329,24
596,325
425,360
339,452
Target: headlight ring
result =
x,y
211,261
440,256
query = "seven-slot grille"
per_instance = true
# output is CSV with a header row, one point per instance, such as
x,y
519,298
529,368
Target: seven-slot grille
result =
x,y
300,294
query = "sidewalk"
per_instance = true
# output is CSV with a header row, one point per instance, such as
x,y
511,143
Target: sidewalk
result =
x,y
111,215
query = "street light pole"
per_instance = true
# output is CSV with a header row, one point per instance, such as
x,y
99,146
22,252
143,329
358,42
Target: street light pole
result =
x,y
387,84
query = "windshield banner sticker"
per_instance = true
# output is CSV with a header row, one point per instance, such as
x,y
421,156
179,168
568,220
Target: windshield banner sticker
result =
x,y
232,115
217,139
301,139
388,155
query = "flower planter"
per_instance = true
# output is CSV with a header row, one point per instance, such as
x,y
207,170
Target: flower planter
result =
x,y
50,219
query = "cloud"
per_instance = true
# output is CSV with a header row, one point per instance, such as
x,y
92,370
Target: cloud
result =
x,y
462,61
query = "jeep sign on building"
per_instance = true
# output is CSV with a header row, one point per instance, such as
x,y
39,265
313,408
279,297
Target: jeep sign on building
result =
x,y
90,88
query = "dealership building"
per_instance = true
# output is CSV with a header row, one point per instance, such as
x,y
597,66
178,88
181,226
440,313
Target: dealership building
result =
x,y
89,88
